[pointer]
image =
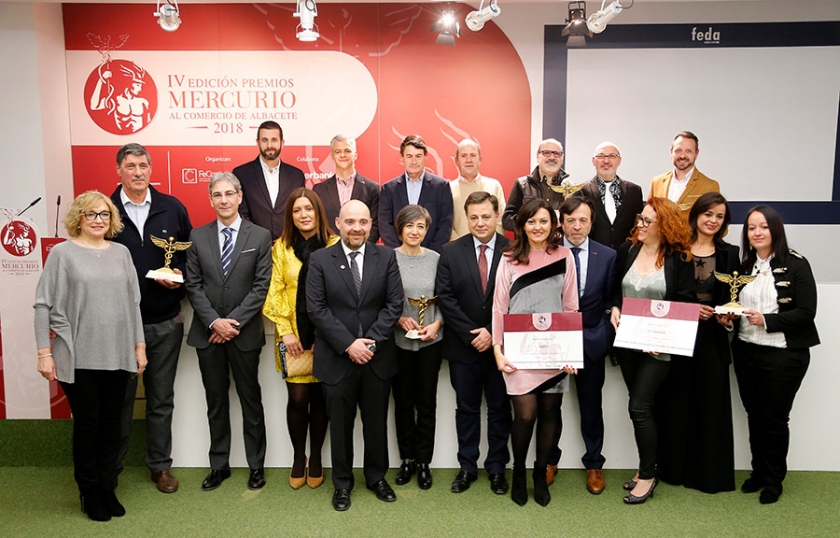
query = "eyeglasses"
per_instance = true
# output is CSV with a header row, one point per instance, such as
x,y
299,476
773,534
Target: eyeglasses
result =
x,y
90,216
602,156
227,194
549,153
643,222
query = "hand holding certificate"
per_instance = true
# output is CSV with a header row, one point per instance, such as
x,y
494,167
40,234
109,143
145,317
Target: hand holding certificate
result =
x,y
658,326
544,341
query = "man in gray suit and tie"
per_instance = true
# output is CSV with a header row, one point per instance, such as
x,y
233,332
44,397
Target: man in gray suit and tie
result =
x,y
227,277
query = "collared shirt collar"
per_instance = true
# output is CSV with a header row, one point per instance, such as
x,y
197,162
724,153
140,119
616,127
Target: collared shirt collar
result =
x,y
349,180
126,200
347,250
234,226
465,180
420,179
266,169
584,247
688,174
490,244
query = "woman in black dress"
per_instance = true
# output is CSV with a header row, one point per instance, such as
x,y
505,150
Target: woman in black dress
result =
x,y
694,408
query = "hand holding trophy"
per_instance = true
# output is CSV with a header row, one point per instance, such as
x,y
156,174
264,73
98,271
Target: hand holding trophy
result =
x,y
169,247
735,281
422,304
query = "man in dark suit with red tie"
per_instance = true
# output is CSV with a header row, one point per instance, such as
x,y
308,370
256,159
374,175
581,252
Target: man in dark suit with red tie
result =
x,y
465,282
596,274
347,184
354,296
267,182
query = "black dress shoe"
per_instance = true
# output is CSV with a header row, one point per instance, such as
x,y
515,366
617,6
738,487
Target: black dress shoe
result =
x,y
752,485
498,483
407,468
215,479
424,476
462,481
383,491
256,480
341,499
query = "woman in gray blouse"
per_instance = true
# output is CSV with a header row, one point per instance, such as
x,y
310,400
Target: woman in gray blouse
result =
x,y
419,356
90,338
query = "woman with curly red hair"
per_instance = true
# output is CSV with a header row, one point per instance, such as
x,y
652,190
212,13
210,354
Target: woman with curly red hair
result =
x,y
654,264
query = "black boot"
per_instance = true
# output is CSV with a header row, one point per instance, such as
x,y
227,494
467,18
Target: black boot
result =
x,y
541,494
519,487
92,504
112,504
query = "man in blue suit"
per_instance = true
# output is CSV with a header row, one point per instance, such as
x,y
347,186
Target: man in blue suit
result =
x,y
416,186
596,273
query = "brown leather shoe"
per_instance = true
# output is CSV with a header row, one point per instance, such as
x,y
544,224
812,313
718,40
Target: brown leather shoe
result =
x,y
550,471
165,481
595,481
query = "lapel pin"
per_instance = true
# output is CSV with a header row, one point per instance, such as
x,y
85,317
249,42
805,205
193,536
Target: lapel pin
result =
x,y
341,266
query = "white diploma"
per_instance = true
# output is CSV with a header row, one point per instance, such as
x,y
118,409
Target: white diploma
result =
x,y
544,341
661,326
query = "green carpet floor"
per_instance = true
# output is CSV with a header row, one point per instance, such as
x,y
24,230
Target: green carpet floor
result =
x,y
43,502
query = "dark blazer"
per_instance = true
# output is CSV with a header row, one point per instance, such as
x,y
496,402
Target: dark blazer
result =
x,y
336,311
679,275
464,306
435,196
364,189
797,297
238,296
598,333
256,206
616,233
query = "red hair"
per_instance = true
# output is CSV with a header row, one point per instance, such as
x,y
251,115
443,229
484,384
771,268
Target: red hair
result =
x,y
674,231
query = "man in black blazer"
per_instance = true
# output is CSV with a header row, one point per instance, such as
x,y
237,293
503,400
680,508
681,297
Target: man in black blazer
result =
x,y
464,286
267,182
354,296
228,273
597,273
416,186
346,184
616,201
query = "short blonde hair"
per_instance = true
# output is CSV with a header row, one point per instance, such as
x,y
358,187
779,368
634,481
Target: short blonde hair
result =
x,y
84,202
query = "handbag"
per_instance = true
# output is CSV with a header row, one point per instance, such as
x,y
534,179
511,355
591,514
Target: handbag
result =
x,y
294,367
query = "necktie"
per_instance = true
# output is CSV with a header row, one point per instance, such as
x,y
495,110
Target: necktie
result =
x,y
609,202
482,268
576,251
357,277
227,249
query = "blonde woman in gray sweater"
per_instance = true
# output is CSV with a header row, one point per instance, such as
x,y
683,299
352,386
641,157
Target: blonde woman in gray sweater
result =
x,y
90,338
419,355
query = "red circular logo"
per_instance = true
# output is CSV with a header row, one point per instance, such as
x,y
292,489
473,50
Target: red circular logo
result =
x,y
19,238
121,97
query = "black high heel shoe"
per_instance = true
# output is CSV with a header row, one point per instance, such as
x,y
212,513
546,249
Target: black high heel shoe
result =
x,y
519,487
629,485
632,499
92,504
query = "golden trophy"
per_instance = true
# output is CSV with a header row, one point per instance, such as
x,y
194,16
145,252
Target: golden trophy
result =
x,y
566,188
735,282
422,304
169,248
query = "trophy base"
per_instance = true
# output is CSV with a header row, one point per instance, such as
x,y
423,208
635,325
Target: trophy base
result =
x,y
730,308
413,334
166,274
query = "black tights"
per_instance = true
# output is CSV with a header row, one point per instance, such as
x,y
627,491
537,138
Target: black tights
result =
x,y
527,408
306,411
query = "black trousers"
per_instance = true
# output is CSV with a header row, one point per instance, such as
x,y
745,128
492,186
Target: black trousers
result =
x,y
96,399
469,381
643,376
361,388
217,362
415,401
768,380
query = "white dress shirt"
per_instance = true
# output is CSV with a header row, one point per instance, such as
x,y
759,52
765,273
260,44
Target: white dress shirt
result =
x,y
677,186
583,255
272,180
138,213
360,260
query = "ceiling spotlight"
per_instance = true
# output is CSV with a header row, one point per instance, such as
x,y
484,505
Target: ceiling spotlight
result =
x,y
576,25
307,30
448,28
168,16
597,22
476,19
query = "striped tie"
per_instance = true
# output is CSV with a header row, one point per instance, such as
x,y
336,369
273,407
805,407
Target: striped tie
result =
x,y
354,269
227,249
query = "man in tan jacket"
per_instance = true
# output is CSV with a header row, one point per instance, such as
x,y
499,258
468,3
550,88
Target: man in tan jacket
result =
x,y
684,184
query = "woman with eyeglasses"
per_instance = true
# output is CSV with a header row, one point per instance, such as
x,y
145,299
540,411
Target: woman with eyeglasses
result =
x,y
654,264
535,275
772,349
90,338
694,408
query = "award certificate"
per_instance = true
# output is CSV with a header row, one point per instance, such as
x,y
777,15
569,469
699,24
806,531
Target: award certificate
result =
x,y
661,326
544,341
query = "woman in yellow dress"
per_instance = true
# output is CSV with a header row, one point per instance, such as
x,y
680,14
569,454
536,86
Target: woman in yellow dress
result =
x,y
305,231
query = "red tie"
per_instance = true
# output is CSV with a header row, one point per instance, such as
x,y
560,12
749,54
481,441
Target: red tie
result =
x,y
482,268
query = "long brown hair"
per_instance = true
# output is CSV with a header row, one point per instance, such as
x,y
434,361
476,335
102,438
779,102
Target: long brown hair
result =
x,y
519,250
289,228
674,232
